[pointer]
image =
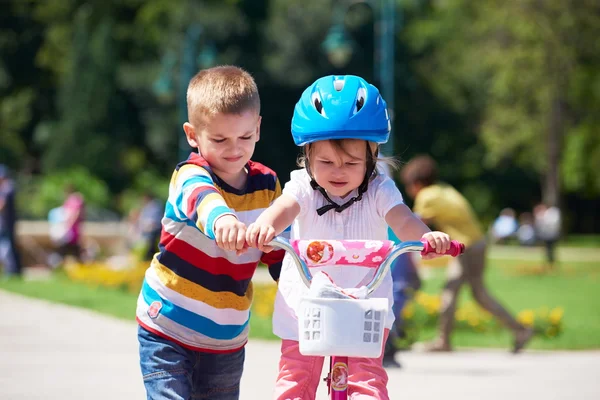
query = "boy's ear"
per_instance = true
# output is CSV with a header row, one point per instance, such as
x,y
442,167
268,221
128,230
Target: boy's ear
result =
x,y
258,128
190,134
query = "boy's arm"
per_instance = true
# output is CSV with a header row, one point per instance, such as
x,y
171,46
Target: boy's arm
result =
x,y
273,260
197,197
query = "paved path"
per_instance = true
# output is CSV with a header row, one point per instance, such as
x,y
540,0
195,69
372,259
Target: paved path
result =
x,y
50,351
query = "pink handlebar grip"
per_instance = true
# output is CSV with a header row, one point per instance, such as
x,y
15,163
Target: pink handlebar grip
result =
x,y
456,248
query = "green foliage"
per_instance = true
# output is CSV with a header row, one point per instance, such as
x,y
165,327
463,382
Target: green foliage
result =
x,y
522,70
39,195
483,86
146,181
15,114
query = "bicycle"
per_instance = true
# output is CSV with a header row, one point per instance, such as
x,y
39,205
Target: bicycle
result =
x,y
341,328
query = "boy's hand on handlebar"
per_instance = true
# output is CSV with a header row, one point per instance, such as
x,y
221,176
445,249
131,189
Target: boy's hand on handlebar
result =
x,y
439,241
230,234
259,235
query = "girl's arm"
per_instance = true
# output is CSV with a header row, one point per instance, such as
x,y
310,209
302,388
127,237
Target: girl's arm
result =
x,y
407,226
272,222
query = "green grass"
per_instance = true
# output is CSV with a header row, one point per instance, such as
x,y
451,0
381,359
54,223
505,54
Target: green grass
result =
x,y
569,241
581,241
59,289
519,285
575,286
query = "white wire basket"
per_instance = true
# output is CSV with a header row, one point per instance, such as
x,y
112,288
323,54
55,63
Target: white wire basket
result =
x,y
342,327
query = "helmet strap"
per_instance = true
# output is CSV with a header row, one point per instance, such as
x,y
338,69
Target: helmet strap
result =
x,y
332,204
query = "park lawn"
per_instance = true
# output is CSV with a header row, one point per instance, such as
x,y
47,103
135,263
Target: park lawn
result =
x,y
574,286
59,289
517,284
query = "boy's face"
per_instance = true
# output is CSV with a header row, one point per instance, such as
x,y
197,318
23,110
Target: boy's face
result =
x,y
226,141
339,172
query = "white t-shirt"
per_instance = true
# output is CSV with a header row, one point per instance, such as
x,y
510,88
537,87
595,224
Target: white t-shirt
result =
x,y
363,220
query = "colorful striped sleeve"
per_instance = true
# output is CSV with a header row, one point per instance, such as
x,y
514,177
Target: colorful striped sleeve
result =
x,y
197,197
274,259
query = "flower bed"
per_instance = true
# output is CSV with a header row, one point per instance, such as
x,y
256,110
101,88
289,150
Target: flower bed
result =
x,y
421,312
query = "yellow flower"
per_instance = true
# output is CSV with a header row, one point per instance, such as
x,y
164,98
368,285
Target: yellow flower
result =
x,y
263,309
526,317
556,315
473,320
408,311
421,298
461,315
436,303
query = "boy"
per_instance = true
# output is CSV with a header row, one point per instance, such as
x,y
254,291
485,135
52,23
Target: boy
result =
x,y
193,308
441,205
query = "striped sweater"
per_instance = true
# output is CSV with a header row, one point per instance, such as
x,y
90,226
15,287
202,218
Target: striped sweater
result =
x,y
195,293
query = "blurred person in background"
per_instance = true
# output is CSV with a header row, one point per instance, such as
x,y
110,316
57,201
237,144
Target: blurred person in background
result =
x,y
406,282
505,226
442,206
526,231
9,255
149,224
65,227
547,221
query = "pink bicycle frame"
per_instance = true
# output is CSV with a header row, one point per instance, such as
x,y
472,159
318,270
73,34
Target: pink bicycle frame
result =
x,y
337,378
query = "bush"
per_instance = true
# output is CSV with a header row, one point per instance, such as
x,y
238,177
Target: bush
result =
x,y
38,195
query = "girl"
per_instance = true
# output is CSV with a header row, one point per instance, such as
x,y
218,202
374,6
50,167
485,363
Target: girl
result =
x,y
339,122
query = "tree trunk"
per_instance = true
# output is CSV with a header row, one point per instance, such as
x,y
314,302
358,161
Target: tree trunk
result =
x,y
551,184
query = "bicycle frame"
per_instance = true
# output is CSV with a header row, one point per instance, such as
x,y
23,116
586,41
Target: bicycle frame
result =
x,y
338,367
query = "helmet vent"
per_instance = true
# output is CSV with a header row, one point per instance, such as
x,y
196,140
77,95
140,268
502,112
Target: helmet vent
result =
x,y
360,103
338,84
319,106
316,100
360,99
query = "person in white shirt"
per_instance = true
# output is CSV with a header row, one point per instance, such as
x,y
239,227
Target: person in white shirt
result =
x,y
337,195
547,227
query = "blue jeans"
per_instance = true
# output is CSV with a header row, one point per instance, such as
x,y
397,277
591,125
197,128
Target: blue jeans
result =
x,y
173,372
9,255
406,281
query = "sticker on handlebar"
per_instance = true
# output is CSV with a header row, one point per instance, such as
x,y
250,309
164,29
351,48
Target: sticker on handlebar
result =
x,y
364,253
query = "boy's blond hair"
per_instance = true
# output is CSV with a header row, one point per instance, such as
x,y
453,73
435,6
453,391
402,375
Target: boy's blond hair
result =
x,y
224,89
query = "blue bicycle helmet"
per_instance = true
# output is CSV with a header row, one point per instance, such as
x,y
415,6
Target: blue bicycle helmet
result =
x,y
340,107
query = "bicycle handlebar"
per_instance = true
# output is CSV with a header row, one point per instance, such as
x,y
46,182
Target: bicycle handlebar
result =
x,y
456,248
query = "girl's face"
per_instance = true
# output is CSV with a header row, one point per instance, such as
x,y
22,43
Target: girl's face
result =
x,y
339,169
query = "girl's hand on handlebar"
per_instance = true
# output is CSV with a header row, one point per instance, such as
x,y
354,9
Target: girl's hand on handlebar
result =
x,y
258,235
439,241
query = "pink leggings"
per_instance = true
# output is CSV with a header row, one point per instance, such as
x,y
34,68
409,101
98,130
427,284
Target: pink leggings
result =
x,y
299,376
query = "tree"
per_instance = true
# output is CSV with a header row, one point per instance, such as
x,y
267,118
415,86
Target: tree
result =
x,y
519,66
